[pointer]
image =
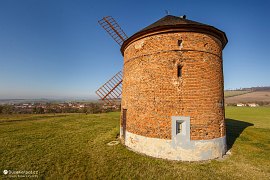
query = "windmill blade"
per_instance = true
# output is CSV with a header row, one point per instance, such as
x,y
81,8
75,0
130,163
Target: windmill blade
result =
x,y
113,28
111,91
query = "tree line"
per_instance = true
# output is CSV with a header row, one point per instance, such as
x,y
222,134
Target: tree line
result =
x,y
90,108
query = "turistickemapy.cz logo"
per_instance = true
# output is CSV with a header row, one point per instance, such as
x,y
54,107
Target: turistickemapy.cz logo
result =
x,y
20,174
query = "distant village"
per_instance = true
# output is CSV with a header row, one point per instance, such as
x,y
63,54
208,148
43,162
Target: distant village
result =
x,y
258,96
73,107
253,104
66,107
247,104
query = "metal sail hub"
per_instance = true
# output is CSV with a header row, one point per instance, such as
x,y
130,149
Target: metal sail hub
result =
x,y
111,91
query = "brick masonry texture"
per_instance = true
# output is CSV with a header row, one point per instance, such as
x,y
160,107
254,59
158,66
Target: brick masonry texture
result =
x,y
152,91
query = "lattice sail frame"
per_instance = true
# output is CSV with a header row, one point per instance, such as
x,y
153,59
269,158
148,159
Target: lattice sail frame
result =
x,y
111,91
113,28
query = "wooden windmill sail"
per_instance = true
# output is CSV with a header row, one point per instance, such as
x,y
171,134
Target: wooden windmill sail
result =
x,y
111,91
113,28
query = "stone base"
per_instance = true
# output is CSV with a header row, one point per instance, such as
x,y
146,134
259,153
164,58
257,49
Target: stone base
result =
x,y
196,150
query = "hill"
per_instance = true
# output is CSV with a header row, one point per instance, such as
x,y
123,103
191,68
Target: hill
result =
x,y
231,93
251,97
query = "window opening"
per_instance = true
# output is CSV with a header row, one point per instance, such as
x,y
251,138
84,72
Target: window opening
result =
x,y
179,42
179,71
179,127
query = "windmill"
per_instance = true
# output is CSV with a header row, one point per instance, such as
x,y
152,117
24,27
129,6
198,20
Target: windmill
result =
x,y
111,91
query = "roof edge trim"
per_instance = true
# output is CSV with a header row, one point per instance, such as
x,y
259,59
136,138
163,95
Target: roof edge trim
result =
x,y
205,29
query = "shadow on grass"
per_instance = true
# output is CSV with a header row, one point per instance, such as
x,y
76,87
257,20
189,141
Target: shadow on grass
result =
x,y
234,128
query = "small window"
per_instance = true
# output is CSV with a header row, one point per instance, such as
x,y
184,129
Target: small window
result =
x,y
179,71
178,127
179,42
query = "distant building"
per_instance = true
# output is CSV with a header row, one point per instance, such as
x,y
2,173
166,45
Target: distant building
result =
x,y
240,104
253,105
81,106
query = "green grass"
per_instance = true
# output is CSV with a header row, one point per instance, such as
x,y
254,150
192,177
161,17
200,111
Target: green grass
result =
x,y
74,146
230,93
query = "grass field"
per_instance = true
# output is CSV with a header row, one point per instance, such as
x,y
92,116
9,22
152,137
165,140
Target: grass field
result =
x,y
74,146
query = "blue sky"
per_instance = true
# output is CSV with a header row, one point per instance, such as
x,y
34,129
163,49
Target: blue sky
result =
x,y
56,49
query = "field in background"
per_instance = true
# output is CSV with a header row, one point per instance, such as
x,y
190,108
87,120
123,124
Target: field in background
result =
x,y
231,93
252,97
74,146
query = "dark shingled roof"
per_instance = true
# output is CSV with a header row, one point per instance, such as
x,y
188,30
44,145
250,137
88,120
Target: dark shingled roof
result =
x,y
170,20
171,23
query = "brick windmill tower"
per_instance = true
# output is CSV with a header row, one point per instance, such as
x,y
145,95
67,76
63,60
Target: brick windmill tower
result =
x,y
172,95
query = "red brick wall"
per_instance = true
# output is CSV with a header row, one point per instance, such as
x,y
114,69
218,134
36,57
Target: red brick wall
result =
x,y
152,91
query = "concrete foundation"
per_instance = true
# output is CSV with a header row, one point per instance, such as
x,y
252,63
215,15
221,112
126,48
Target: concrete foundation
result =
x,y
194,150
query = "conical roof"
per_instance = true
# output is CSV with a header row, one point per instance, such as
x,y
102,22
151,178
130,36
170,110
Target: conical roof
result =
x,y
176,24
170,20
